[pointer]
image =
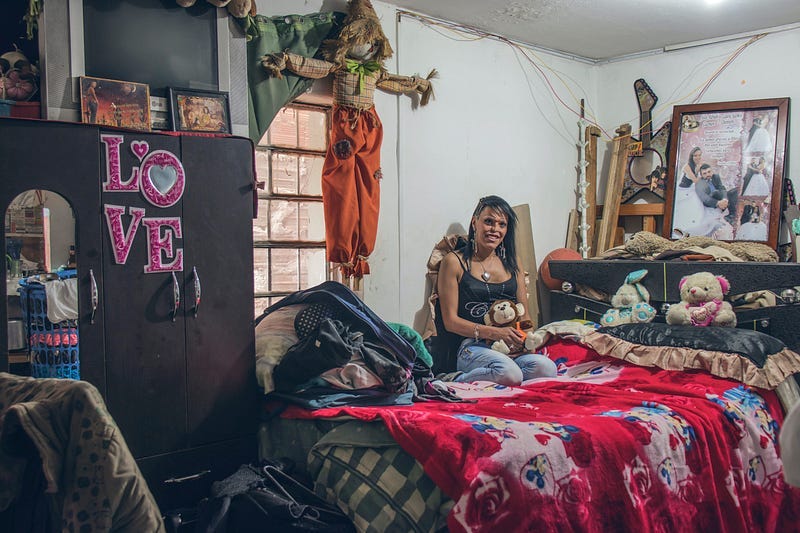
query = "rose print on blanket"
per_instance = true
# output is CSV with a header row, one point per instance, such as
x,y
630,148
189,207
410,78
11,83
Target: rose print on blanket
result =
x,y
649,450
487,503
637,481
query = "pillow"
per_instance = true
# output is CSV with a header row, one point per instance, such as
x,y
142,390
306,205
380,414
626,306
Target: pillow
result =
x,y
275,334
750,357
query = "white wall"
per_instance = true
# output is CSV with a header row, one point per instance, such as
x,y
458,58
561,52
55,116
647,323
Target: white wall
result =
x,y
763,70
495,127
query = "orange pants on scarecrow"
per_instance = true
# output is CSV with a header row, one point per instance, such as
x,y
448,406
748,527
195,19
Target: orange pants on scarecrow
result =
x,y
351,188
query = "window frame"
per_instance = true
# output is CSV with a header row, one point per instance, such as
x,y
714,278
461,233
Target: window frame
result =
x,y
266,194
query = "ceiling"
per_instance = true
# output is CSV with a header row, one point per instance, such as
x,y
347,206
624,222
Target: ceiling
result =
x,y
604,29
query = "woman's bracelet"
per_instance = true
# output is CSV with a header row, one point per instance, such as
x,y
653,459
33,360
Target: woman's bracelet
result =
x,y
477,333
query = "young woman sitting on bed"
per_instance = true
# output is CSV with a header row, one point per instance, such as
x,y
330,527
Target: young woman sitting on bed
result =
x,y
470,279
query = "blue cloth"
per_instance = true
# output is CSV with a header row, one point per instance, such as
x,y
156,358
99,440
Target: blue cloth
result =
x,y
478,362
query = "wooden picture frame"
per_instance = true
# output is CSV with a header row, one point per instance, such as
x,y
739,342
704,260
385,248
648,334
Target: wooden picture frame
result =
x,y
122,104
199,111
726,169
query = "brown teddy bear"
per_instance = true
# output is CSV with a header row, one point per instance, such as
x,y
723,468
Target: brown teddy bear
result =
x,y
504,313
237,8
702,302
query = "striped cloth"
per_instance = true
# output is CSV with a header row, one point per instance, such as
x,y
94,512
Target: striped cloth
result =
x,y
363,471
348,89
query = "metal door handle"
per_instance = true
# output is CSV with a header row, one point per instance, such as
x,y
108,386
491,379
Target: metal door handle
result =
x,y
95,298
176,296
197,291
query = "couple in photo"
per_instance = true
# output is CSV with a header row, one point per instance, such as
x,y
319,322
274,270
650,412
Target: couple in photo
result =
x,y
703,206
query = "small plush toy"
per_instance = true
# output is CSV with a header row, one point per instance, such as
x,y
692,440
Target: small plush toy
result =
x,y
504,313
631,303
702,302
237,8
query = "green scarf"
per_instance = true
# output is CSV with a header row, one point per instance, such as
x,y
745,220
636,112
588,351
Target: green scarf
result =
x,y
362,69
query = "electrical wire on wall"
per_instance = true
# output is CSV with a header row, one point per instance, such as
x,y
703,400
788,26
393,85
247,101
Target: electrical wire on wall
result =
x,y
462,33
469,34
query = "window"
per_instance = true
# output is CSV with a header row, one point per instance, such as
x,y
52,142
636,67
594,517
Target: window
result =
x,y
289,233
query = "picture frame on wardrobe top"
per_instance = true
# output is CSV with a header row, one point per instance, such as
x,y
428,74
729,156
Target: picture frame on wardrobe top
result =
x,y
726,170
199,111
124,104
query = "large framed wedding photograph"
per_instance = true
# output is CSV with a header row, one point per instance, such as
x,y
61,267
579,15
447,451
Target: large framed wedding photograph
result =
x,y
726,169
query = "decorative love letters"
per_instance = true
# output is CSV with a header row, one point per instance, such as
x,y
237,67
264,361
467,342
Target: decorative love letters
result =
x,y
161,180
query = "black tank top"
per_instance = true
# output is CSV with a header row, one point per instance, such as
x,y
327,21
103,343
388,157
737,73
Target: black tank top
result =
x,y
475,295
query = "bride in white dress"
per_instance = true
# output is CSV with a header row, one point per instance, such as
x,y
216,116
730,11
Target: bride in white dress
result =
x,y
755,183
759,141
752,228
689,209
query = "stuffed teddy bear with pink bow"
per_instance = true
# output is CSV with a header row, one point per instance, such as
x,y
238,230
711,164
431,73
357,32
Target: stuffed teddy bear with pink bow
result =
x,y
702,302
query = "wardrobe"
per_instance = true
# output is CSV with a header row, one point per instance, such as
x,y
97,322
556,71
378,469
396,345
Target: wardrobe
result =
x,y
163,242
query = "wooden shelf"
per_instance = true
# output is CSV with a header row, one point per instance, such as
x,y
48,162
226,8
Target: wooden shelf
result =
x,y
16,358
641,210
32,235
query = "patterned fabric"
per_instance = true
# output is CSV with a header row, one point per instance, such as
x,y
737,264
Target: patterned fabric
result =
x,y
307,321
360,468
352,89
95,483
308,67
751,357
605,446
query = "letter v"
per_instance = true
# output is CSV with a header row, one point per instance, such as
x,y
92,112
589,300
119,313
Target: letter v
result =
x,y
121,242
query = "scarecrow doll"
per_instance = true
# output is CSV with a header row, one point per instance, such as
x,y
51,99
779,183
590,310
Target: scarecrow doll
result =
x,y
351,172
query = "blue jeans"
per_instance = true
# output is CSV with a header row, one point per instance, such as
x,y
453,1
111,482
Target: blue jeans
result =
x,y
478,362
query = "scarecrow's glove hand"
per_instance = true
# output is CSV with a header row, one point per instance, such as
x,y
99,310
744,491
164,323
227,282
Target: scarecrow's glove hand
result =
x,y
425,87
274,64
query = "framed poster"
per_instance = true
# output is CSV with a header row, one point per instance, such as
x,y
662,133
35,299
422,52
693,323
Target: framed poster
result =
x,y
124,104
203,111
725,174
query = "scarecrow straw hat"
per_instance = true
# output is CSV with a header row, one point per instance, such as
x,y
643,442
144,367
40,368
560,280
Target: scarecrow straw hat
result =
x,y
361,26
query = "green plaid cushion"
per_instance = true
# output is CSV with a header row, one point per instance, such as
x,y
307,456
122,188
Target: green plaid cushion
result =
x,y
358,467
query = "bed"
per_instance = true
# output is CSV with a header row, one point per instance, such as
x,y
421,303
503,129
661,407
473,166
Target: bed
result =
x,y
645,428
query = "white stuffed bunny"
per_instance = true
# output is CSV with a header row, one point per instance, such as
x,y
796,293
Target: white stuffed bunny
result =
x,y
631,303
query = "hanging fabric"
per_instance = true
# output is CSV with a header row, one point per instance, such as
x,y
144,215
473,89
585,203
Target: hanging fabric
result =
x,y
301,34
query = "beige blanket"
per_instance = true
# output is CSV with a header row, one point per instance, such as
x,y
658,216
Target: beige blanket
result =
x,y
91,475
645,245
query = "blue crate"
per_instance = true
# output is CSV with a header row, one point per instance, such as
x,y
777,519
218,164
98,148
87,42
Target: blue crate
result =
x,y
53,347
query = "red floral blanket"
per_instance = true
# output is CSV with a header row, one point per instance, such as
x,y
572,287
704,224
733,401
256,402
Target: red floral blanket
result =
x,y
605,446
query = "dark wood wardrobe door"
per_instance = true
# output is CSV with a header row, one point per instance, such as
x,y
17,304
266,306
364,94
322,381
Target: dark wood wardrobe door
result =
x,y
145,347
218,241
62,158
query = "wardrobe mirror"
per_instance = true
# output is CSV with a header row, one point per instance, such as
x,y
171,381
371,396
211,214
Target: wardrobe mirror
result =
x,y
40,240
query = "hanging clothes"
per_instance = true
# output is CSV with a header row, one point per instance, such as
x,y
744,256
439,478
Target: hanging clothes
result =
x,y
351,188
385,352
